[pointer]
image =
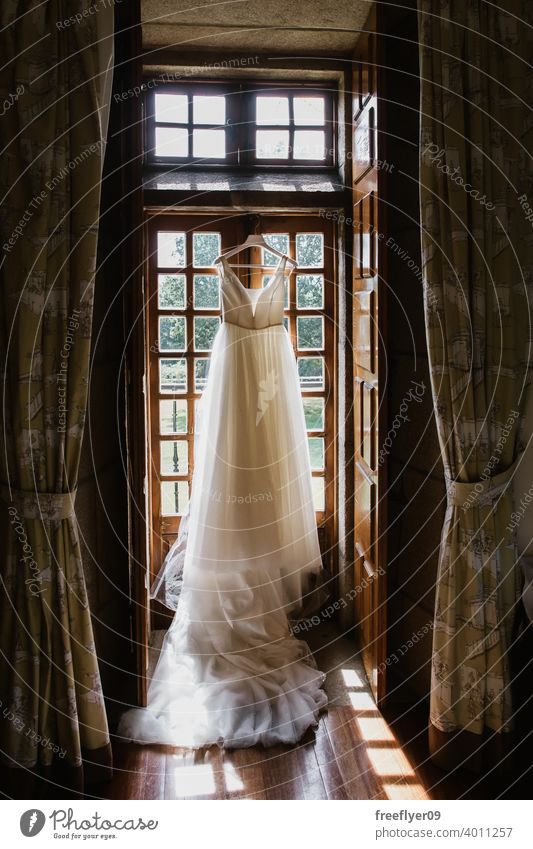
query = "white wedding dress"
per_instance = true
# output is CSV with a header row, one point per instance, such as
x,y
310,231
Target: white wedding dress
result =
x,y
230,672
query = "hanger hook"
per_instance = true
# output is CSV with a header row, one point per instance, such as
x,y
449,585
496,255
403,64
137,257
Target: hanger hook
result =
x,y
255,222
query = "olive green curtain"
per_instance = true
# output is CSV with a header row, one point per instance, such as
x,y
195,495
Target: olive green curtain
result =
x,y
475,174
56,62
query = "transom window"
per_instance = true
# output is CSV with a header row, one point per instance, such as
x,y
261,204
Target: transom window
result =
x,y
252,125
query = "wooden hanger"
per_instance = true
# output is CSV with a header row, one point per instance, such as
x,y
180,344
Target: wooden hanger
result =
x,y
255,241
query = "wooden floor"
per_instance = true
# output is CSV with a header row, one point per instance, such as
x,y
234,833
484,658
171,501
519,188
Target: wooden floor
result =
x,y
356,753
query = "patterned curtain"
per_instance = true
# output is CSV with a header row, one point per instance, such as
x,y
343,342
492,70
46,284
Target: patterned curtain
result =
x,y
56,63
477,237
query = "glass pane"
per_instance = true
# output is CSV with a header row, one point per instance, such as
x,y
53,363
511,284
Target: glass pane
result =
x,y
174,457
205,249
209,144
174,498
309,291
201,370
310,332
286,323
171,250
206,292
319,496
266,280
172,333
309,144
272,144
272,110
314,413
279,241
310,250
171,108
209,109
171,291
316,452
173,416
204,332
309,110
311,372
172,375
171,141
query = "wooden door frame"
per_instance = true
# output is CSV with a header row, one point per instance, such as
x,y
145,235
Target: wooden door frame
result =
x,y
127,113
135,357
369,184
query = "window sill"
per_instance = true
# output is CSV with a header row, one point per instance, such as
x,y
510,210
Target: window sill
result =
x,y
181,180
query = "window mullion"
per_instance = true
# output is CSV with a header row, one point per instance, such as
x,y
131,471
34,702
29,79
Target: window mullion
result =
x,y
247,126
232,128
190,115
291,127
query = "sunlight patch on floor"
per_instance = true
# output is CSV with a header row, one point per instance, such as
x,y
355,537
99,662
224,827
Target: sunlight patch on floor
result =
x,y
374,728
231,779
389,760
362,701
403,792
191,779
352,678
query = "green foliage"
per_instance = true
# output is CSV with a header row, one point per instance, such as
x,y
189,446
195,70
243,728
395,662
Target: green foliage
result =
x,y
205,329
314,413
171,290
310,250
311,371
206,292
316,452
173,375
309,291
279,241
310,331
172,331
205,248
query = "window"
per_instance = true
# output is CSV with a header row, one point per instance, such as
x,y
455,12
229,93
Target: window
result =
x,y
290,127
190,126
254,125
184,315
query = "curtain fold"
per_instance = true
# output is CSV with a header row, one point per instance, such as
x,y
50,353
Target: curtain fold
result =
x,y
475,185
54,85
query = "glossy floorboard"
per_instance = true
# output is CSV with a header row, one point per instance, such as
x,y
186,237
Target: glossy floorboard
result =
x,y
356,753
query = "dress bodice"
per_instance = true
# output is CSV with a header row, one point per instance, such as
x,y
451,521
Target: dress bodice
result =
x,y
253,309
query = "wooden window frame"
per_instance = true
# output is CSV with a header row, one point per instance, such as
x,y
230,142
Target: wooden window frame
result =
x,y
233,231
240,126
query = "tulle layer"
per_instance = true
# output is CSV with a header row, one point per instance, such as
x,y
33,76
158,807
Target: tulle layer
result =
x,y
230,672
236,684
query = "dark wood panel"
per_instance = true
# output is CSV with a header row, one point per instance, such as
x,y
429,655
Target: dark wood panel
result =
x,y
364,144
364,322
365,501
369,426
369,385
